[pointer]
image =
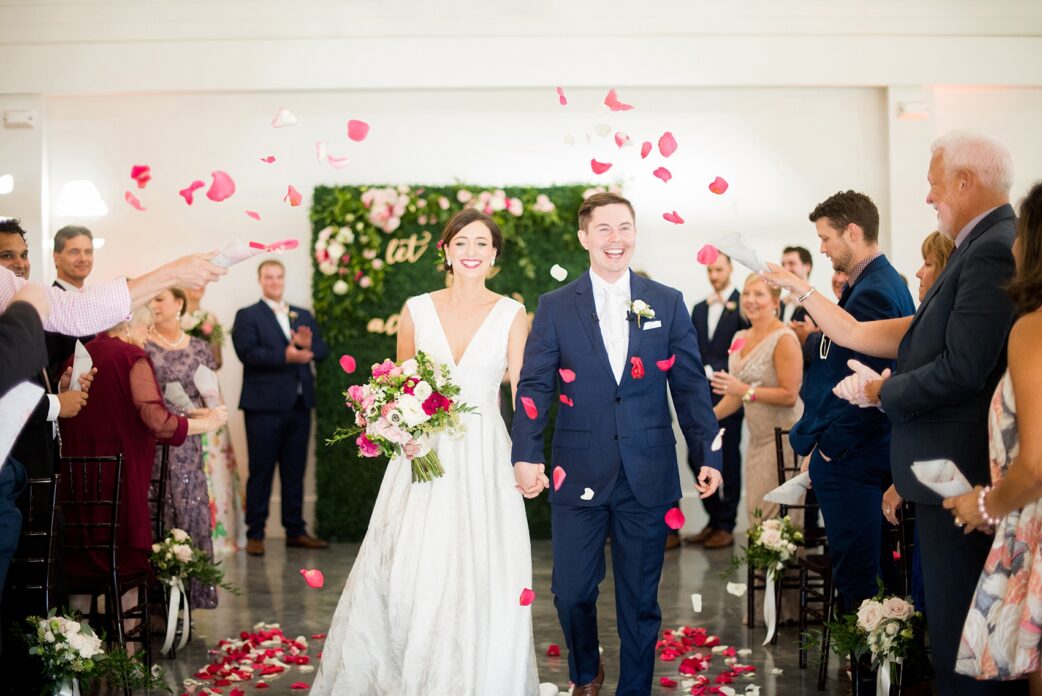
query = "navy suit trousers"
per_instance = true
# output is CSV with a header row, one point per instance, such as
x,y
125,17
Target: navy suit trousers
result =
x,y
277,438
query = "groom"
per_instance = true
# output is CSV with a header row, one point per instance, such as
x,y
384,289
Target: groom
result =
x,y
614,456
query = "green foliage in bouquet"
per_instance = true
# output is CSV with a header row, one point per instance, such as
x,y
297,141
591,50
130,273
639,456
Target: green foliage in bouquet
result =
x,y
885,627
772,543
201,324
176,556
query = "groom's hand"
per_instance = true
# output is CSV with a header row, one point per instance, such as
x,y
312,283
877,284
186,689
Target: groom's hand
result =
x,y
708,481
531,478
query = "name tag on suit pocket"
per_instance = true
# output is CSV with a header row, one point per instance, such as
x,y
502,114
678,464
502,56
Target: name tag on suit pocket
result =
x,y
652,324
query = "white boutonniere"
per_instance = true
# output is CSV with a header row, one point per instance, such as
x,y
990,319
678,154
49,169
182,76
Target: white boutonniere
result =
x,y
639,309
293,315
730,305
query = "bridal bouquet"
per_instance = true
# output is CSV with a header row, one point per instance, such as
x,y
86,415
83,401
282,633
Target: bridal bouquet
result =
x,y
204,325
404,403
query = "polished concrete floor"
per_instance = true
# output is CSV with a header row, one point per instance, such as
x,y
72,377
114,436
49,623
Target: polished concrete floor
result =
x,y
273,591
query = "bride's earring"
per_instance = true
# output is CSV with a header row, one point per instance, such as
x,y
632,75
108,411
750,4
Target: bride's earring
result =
x,y
492,262
448,263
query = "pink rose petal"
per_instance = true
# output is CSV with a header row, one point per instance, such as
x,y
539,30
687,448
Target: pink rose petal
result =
x,y
561,98
284,117
530,410
270,159
347,364
357,130
314,578
622,140
645,149
189,192
133,201
667,682
707,254
338,162
674,518
738,344
613,103
667,144
567,376
293,196
673,217
663,174
559,475
599,167
142,174
666,365
718,186
320,150
527,597
253,214
567,400
221,188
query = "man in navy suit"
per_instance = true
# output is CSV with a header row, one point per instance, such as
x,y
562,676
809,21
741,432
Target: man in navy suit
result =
x,y
624,338
276,343
847,447
716,321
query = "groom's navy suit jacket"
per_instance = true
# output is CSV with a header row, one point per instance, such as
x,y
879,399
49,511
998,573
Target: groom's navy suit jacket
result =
x,y
613,425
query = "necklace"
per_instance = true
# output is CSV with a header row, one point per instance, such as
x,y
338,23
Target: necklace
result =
x,y
168,343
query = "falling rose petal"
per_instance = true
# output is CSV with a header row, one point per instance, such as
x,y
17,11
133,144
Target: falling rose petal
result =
x,y
602,129
314,578
718,441
696,603
270,159
667,144
736,588
718,186
142,174
559,475
284,117
666,365
674,518
567,376
673,217
599,167
613,103
347,364
221,188
554,650
133,201
357,130
558,273
189,192
530,410
567,400
587,494
645,149
338,162
622,140
561,98
636,367
527,597
293,196
663,174
321,152
253,214
738,344
708,254
667,682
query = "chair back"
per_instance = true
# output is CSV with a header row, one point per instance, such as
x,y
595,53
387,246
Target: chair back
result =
x,y
157,493
813,534
30,581
89,493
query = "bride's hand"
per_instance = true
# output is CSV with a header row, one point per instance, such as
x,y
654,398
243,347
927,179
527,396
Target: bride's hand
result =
x,y
780,278
531,478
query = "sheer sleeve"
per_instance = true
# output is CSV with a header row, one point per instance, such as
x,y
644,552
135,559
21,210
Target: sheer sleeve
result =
x,y
144,390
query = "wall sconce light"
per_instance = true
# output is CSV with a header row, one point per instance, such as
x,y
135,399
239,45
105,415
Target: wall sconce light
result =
x,y
80,198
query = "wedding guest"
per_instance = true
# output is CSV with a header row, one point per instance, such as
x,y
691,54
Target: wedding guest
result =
x,y
1000,636
277,343
846,448
717,319
73,261
949,360
176,356
839,281
798,261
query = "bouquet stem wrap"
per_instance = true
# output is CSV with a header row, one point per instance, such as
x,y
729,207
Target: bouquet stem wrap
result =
x,y
770,611
178,599
69,687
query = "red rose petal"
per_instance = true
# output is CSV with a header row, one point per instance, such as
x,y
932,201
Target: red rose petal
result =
x,y
293,196
567,376
270,159
318,636
599,167
637,367
299,685
707,254
253,214
560,97
559,476
613,103
666,365
237,692
314,578
738,344
221,188
674,518
663,174
189,192
142,174
530,410
262,685
347,364
527,597
357,130
667,682
567,400
718,186
133,201
621,139
667,144
554,650
645,149
673,217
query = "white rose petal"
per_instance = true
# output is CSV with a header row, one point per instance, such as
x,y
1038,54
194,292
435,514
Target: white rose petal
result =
x,y
736,588
696,603
558,273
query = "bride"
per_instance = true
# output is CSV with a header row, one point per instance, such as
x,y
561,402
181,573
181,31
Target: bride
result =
x,y
431,605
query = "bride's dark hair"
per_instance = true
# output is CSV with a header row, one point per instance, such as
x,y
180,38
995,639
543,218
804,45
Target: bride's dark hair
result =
x,y
464,218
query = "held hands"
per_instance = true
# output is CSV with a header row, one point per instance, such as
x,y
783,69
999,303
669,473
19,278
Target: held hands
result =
x,y
297,356
780,278
725,383
531,478
302,337
708,481
862,387
964,509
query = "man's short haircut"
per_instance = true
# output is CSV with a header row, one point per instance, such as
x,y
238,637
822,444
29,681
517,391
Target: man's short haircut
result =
x,y
805,258
12,226
269,262
846,207
988,159
70,232
598,200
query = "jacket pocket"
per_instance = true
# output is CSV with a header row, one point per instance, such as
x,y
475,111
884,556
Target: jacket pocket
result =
x,y
571,439
660,437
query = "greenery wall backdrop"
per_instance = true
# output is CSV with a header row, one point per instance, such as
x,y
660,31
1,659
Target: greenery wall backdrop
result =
x,y
375,246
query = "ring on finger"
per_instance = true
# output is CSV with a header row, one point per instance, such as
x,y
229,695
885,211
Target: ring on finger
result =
x,y
959,522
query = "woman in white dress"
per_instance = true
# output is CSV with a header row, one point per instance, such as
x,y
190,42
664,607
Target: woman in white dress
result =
x,y
431,605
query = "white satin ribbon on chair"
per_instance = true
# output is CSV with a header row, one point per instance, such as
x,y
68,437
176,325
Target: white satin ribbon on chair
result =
x,y
770,611
883,677
178,597
70,687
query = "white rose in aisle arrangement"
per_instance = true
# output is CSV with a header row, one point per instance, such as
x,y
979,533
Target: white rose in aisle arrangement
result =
x,y
869,615
897,608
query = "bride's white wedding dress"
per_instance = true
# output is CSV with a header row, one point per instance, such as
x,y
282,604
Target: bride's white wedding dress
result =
x,y
431,606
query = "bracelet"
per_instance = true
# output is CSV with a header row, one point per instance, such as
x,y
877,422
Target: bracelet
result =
x,y
749,396
805,295
982,509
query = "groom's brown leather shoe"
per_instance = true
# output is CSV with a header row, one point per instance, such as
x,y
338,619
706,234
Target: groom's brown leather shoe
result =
x,y
594,687
306,541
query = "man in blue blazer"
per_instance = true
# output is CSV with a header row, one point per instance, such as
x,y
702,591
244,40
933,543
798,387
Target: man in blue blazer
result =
x,y
847,447
276,343
716,321
623,338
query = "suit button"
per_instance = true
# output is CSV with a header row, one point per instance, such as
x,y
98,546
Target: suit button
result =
x,y
618,399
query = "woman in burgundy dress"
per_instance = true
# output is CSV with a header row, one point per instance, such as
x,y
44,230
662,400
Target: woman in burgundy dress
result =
x,y
126,415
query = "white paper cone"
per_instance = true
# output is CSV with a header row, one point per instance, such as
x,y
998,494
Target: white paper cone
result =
x,y
81,365
176,394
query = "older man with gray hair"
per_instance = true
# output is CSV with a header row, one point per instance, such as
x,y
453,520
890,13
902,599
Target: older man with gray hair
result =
x,y
950,356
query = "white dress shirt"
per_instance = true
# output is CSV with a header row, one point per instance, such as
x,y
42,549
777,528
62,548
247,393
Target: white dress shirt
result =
x,y
789,306
612,301
716,309
281,310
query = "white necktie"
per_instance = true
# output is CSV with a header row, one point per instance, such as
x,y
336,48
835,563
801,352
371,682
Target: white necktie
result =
x,y
616,330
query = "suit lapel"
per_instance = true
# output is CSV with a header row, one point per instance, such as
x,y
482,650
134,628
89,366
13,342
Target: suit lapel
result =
x,y
638,288
587,311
